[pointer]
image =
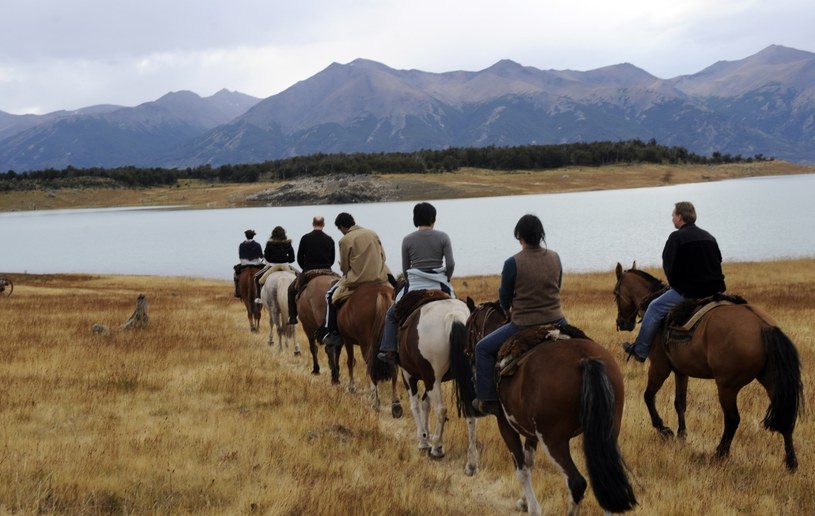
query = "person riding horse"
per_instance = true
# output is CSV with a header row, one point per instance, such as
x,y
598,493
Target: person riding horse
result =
x,y
530,290
315,251
427,263
249,253
692,263
278,254
362,260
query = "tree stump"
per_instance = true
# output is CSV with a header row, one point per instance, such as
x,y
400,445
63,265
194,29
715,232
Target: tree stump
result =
x,y
139,319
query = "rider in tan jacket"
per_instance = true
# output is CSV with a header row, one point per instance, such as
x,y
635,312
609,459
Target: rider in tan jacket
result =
x,y
362,260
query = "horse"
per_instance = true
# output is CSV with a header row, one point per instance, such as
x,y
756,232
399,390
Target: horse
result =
x,y
311,311
432,347
248,290
562,388
733,345
360,320
274,295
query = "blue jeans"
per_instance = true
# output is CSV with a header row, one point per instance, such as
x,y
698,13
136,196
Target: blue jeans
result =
x,y
389,332
486,351
652,320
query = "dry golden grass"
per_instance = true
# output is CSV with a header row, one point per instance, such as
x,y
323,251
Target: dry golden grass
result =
x,y
197,415
464,183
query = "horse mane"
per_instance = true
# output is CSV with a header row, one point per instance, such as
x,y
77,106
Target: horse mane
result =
x,y
655,283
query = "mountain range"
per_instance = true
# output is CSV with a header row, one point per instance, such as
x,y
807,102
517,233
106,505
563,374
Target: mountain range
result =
x,y
760,105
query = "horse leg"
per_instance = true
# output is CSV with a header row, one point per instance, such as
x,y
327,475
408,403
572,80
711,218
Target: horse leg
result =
x,y
576,483
352,386
527,502
436,401
419,416
728,400
291,335
471,468
656,377
681,403
312,347
396,405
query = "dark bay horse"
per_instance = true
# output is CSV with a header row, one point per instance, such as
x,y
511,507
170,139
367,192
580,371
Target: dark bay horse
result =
x,y
311,311
360,319
561,389
733,345
432,349
248,290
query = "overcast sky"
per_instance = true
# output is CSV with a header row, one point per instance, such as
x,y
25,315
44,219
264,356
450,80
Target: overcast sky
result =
x,y
68,54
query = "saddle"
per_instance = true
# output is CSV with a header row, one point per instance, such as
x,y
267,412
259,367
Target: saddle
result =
x,y
517,349
414,300
681,322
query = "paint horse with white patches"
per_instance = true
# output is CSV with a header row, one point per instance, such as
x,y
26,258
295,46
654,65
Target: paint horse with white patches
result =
x,y
432,349
556,389
274,295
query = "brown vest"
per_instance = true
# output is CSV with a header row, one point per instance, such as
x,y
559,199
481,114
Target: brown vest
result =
x,y
537,294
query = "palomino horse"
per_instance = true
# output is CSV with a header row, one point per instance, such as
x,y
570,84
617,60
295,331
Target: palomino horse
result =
x,y
248,290
274,295
311,311
561,389
432,349
361,318
732,344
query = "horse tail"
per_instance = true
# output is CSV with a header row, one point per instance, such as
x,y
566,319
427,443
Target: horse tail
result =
x,y
460,370
603,460
784,370
378,370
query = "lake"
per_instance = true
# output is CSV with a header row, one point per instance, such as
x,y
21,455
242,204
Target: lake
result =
x,y
753,219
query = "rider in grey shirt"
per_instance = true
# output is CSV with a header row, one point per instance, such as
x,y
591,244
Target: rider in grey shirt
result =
x,y
427,263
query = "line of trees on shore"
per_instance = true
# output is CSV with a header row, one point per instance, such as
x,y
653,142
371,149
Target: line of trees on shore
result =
x,y
528,157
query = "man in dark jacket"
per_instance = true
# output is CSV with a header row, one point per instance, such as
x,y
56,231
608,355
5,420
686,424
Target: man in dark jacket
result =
x,y
315,251
693,265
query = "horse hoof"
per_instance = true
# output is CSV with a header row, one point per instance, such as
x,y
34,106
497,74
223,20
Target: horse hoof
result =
x,y
315,372
792,464
297,353
436,454
470,470
396,411
666,433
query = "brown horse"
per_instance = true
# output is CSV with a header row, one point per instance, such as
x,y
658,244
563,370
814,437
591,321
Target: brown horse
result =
x,y
432,349
311,311
248,290
562,388
360,319
732,344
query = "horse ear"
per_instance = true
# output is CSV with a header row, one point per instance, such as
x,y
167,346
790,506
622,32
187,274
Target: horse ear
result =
x,y
634,265
619,270
470,304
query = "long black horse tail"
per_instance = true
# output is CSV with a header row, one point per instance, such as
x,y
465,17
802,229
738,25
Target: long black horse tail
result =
x,y
784,369
603,460
461,370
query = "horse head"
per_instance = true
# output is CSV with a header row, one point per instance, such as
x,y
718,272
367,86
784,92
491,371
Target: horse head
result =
x,y
633,290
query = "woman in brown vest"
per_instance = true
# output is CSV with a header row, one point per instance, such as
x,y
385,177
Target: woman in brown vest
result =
x,y
530,292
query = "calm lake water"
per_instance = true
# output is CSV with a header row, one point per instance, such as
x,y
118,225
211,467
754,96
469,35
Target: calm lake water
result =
x,y
753,219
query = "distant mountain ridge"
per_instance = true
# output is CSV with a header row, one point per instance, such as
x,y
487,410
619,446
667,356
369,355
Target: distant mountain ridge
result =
x,y
763,104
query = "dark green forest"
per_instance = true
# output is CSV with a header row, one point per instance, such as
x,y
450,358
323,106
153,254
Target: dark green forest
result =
x,y
529,157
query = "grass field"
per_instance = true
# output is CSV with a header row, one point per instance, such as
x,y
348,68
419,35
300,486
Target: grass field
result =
x,y
195,414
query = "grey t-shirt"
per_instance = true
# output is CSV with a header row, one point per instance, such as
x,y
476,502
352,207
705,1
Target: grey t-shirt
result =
x,y
428,249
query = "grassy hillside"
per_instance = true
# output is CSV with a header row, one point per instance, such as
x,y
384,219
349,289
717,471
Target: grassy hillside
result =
x,y
195,414
462,184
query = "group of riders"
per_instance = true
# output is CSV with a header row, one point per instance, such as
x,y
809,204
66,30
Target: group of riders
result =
x,y
529,288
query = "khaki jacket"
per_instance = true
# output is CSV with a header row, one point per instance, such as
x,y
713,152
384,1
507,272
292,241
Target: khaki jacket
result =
x,y
362,260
